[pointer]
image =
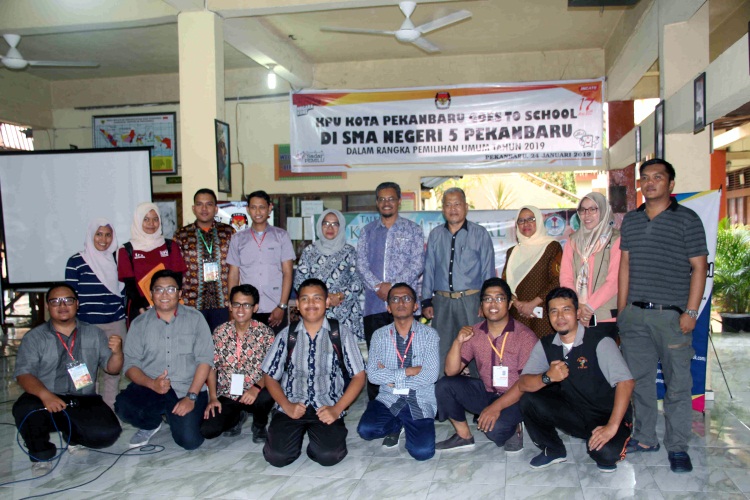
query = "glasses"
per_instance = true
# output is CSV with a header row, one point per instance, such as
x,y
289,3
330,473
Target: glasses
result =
x,y
499,299
390,199
242,305
529,220
406,299
584,211
170,290
57,302
330,224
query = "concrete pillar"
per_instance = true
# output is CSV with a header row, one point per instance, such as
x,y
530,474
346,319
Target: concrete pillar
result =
x,y
201,48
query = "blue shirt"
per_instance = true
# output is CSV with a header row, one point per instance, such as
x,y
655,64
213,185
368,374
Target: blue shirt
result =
x,y
96,303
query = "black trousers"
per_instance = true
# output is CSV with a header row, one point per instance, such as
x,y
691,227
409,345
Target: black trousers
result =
x,y
93,424
264,317
546,409
284,444
212,427
374,322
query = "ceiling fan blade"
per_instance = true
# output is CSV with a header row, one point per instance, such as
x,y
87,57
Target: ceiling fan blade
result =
x,y
357,30
72,64
444,21
426,45
12,40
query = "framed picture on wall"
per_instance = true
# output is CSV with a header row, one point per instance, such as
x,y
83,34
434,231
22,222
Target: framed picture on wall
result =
x,y
223,163
155,130
699,103
638,157
659,130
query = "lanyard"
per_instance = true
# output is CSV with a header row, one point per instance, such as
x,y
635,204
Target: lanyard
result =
x,y
238,345
406,351
256,239
72,343
502,349
209,249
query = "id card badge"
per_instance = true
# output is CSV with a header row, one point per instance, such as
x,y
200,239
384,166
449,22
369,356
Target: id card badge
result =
x,y
500,376
211,271
80,375
401,392
238,384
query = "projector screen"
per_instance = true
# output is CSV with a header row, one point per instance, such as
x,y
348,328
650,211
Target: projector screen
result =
x,y
49,197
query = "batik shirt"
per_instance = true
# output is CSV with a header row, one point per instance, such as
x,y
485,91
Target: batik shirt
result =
x,y
253,346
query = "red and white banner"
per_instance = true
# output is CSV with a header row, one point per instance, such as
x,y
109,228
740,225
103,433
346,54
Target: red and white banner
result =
x,y
542,124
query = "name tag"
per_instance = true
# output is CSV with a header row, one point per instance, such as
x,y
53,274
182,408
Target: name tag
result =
x,y
500,376
211,271
80,375
238,384
401,392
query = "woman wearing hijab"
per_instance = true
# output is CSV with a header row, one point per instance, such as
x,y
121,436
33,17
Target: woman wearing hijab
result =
x,y
333,261
532,269
93,274
591,262
145,253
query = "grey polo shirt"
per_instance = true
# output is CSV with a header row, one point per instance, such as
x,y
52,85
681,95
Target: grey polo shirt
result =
x,y
153,345
42,355
611,362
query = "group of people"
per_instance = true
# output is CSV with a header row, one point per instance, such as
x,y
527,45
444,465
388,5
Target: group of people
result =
x,y
538,345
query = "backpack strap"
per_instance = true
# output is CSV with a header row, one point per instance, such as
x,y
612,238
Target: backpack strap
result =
x,y
129,248
169,245
291,342
335,336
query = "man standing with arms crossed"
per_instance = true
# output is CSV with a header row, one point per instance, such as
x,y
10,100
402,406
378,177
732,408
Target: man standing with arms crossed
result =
x,y
662,277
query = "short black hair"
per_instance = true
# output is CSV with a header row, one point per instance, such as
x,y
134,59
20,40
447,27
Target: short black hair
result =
x,y
259,194
388,185
403,285
562,293
205,191
313,282
60,284
246,289
658,161
166,273
494,281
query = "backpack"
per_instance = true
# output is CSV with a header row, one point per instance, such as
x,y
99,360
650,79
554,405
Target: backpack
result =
x,y
335,337
129,248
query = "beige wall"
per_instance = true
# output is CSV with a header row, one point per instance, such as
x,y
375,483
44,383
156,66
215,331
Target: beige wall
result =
x,y
24,99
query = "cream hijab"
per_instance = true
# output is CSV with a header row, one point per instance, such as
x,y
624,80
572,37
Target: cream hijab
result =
x,y
587,242
528,251
324,245
138,237
102,262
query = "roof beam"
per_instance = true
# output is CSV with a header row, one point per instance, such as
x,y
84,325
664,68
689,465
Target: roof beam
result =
x,y
240,8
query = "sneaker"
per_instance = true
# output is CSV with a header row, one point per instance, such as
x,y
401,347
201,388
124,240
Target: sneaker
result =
x,y
237,429
260,434
142,436
391,440
455,442
514,444
634,446
606,468
543,460
41,468
679,461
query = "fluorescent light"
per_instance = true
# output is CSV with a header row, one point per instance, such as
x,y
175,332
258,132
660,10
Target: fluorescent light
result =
x,y
271,78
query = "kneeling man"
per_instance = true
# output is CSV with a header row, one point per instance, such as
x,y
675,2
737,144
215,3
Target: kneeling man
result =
x,y
56,366
404,361
306,371
577,381
168,355
501,347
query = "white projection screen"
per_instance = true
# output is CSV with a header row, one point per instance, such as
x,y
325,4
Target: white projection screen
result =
x,y
49,197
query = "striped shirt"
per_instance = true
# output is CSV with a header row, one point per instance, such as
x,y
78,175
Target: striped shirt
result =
x,y
96,304
660,251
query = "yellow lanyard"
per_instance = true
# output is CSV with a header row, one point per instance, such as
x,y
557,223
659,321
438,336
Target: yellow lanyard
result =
x,y
502,348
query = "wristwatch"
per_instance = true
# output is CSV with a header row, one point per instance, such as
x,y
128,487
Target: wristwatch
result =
x,y
192,396
692,313
283,307
545,379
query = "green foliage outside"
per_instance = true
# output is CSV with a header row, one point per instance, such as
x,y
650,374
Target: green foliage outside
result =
x,y
732,268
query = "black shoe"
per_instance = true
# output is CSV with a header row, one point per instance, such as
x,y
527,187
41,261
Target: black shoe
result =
x,y
259,434
455,442
237,429
679,461
391,440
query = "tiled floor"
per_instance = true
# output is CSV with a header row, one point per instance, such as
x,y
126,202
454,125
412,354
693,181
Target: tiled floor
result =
x,y
234,467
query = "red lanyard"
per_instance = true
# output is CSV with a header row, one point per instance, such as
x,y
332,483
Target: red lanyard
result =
x,y
406,351
72,343
252,232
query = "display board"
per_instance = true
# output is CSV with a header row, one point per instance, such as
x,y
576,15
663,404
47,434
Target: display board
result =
x,y
48,198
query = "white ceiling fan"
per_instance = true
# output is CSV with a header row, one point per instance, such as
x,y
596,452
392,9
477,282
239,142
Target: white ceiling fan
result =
x,y
408,32
14,60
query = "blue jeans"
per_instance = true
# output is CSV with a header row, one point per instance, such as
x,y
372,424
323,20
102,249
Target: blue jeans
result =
x,y
377,421
142,408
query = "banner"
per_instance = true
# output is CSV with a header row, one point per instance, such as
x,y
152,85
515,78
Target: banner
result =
x,y
479,126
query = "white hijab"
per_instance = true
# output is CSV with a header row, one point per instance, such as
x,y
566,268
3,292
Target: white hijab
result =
x,y
324,245
138,237
528,251
102,262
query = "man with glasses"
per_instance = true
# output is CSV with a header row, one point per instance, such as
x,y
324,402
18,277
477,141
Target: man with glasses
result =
x,y
460,256
404,362
56,366
168,356
235,383
389,250
500,347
